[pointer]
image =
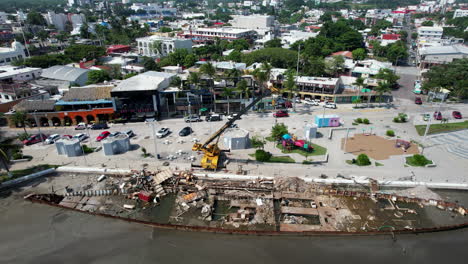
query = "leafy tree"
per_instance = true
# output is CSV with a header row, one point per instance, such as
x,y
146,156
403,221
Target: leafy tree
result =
x,y
20,118
97,76
427,23
290,84
78,52
35,18
190,60
414,35
237,44
335,65
176,81
388,76
150,64
165,30
46,61
274,43
84,31
68,26
278,130
257,142
277,57
235,56
397,51
452,76
315,66
359,54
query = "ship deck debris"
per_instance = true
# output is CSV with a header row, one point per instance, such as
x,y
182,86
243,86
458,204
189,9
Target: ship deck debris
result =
x,y
286,204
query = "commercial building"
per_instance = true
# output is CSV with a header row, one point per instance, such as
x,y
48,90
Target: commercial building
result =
x,y
460,13
317,87
66,76
158,46
8,55
261,24
430,32
201,35
13,73
430,56
140,96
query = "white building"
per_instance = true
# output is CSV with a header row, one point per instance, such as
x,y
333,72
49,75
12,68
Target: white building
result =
x,y
430,56
229,33
261,24
460,13
12,73
288,39
3,17
146,45
430,32
57,20
154,9
16,52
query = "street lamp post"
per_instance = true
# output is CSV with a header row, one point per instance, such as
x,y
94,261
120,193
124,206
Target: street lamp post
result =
x,y
153,128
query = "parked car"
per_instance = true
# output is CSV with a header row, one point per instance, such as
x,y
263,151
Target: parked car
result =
x,y
129,133
281,114
34,139
81,126
213,117
437,115
418,100
164,131
231,116
67,136
298,100
80,136
114,134
457,115
192,118
99,126
103,135
426,117
308,101
185,131
329,105
52,138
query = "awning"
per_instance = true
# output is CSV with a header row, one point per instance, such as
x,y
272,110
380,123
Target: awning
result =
x,y
204,109
365,90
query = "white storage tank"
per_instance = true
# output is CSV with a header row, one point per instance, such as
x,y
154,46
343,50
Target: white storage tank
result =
x,y
310,131
236,139
116,145
69,147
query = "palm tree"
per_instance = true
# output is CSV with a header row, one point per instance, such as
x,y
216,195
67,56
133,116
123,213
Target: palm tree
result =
x,y
290,87
194,78
209,69
20,117
228,92
360,84
235,74
382,87
243,89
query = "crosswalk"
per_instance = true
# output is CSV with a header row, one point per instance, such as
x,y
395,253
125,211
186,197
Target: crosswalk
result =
x,y
454,142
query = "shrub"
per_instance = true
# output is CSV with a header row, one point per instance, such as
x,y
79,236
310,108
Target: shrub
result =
x,y
261,155
390,133
420,160
366,121
396,120
401,118
363,160
87,149
358,120
17,155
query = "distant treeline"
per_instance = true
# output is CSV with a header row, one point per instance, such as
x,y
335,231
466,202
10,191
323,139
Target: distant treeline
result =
x,y
11,6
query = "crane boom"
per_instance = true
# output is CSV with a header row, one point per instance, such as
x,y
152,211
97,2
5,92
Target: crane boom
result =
x,y
230,122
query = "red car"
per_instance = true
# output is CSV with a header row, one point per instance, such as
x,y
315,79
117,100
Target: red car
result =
x,y
418,100
34,139
281,114
437,115
457,115
103,135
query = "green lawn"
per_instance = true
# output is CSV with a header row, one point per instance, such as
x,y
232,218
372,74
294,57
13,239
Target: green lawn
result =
x,y
318,150
271,139
279,159
439,128
24,172
409,161
282,159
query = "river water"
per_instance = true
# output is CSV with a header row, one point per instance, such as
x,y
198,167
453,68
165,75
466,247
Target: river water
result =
x,y
34,233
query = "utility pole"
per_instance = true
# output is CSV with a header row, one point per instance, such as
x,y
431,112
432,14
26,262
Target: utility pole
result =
x,y
297,75
153,128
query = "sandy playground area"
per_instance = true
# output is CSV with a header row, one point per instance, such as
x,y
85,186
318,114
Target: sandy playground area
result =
x,y
376,147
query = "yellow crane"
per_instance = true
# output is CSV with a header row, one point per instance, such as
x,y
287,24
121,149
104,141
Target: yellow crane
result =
x,y
210,148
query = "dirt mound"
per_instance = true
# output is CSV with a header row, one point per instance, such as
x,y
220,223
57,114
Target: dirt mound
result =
x,y
292,184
